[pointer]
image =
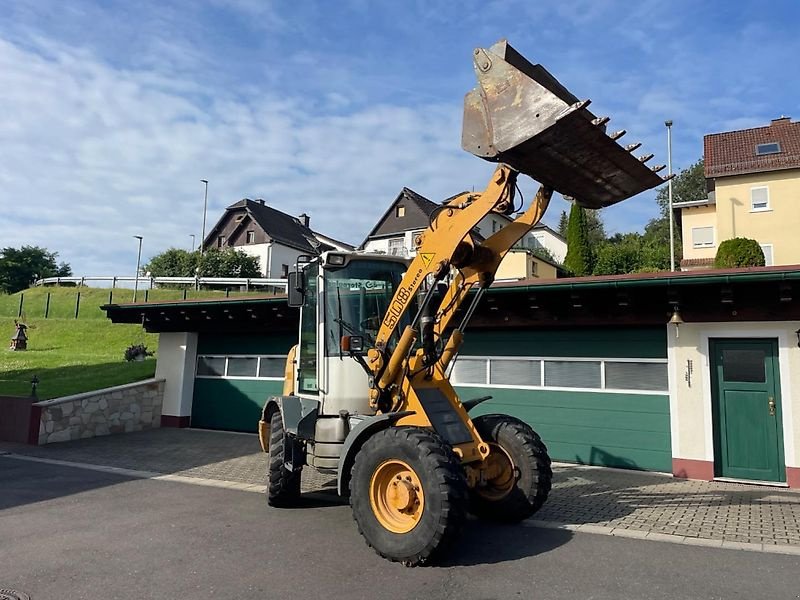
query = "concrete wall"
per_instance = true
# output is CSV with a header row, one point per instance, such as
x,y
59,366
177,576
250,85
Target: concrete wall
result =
x,y
120,409
690,396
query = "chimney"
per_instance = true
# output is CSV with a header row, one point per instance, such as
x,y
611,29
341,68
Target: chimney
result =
x,y
782,120
260,201
305,219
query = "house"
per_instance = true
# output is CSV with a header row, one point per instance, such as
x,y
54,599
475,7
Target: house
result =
x,y
753,178
410,214
277,239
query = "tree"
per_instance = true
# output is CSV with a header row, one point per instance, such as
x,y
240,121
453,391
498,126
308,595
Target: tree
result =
x,y
173,263
214,263
19,268
688,185
563,224
739,252
579,259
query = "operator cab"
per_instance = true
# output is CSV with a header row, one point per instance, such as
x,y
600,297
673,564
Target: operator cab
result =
x,y
343,297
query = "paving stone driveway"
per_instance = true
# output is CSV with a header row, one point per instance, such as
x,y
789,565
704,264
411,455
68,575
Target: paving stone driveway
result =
x,y
624,500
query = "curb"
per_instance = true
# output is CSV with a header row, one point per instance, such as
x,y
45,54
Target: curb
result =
x,y
664,537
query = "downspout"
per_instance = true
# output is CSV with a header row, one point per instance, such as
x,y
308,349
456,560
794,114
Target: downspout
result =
x,y
268,273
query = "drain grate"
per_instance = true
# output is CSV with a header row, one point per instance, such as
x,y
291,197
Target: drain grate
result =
x,y
13,595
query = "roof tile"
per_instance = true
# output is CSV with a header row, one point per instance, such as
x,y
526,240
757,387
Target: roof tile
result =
x,y
734,152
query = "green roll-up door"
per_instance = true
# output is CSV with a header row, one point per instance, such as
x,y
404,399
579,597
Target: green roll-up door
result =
x,y
604,427
236,374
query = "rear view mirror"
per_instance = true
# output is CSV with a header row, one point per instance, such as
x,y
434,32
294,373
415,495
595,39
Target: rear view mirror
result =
x,y
295,288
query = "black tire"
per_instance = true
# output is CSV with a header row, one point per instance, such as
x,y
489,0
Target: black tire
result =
x,y
532,472
283,486
441,480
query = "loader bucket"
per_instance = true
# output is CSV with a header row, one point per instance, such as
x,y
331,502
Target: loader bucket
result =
x,y
522,116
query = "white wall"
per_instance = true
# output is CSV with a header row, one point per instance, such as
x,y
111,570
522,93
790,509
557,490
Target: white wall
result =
x,y
177,355
260,251
271,256
690,405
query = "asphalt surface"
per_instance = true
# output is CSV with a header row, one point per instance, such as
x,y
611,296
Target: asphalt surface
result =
x,y
68,533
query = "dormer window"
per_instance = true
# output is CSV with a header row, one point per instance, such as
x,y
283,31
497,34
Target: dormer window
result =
x,y
769,148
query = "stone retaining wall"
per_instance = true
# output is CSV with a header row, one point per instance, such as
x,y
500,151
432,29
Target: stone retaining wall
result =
x,y
120,409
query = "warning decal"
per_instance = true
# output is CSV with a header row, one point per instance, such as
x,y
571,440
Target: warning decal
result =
x,y
427,257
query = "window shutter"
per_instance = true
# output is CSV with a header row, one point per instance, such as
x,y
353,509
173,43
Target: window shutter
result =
x,y
760,198
702,236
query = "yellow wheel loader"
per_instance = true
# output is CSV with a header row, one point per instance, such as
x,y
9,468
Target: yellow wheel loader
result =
x,y
367,395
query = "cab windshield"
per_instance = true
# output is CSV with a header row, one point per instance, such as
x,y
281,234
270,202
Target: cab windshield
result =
x,y
356,299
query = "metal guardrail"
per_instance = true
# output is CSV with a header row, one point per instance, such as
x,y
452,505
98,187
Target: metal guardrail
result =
x,y
152,281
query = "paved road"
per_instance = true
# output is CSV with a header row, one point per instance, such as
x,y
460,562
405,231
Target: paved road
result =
x,y
69,533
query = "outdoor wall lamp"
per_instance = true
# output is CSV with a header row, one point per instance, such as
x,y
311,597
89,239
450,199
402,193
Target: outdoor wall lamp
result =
x,y
676,320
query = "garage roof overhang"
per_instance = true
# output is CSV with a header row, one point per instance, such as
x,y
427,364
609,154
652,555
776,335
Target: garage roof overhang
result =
x,y
250,314
751,294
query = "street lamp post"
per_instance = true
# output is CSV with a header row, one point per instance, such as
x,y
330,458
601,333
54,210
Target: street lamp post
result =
x,y
192,236
668,123
138,261
205,210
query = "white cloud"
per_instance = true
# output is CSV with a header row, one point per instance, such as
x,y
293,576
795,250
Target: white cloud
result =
x,y
97,154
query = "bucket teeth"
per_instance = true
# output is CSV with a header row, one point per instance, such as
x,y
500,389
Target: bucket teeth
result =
x,y
618,134
600,121
644,158
658,168
632,147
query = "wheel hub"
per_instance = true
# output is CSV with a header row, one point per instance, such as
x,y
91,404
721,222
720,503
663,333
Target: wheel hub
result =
x,y
396,496
497,474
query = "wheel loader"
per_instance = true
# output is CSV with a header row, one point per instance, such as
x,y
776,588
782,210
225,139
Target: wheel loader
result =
x,y
367,395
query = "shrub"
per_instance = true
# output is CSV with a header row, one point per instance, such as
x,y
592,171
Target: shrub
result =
x,y
739,252
137,352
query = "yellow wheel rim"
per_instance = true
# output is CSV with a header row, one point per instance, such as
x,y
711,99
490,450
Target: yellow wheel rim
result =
x,y
396,496
499,474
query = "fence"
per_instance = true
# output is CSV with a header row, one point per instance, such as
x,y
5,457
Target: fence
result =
x,y
82,302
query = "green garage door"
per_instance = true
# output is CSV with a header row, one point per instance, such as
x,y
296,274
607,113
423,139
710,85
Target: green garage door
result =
x,y
596,396
235,375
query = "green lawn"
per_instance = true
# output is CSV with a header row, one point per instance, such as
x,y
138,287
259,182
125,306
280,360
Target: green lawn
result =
x,y
70,356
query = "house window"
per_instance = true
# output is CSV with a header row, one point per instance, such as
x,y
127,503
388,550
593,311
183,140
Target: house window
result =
x,y
759,199
767,250
251,237
400,211
702,237
770,148
396,247
220,241
284,271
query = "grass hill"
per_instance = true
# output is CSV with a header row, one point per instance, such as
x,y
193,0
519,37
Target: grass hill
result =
x,y
70,356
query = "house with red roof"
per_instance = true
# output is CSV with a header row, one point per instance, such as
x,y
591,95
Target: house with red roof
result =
x,y
753,182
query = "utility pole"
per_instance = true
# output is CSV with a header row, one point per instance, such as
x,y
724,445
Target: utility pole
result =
x,y
668,123
138,262
205,210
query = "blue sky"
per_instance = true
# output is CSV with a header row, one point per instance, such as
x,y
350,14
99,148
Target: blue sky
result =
x,y
112,112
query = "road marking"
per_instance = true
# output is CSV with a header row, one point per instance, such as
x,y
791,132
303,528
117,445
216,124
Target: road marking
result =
x,y
218,483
